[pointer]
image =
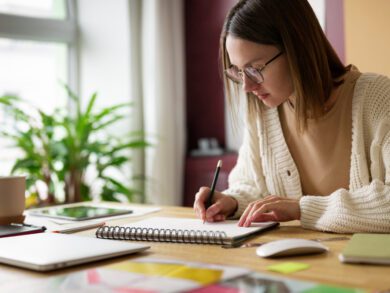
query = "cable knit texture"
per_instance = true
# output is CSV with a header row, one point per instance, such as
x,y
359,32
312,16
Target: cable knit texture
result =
x,y
266,167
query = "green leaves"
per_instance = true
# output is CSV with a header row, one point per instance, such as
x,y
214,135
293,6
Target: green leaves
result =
x,y
72,151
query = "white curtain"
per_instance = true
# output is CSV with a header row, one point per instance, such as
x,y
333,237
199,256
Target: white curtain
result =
x,y
157,88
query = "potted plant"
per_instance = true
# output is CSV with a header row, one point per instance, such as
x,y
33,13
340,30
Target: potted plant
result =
x,y
71,152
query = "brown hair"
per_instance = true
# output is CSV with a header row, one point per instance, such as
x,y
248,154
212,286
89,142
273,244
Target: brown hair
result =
x,y
293,27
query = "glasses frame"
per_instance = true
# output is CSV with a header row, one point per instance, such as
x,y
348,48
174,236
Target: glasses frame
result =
x,y
241,72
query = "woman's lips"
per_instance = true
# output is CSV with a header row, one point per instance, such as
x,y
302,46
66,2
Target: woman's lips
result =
x,y
262,96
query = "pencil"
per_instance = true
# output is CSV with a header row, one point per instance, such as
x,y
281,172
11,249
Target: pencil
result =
x,y
209,200
80,228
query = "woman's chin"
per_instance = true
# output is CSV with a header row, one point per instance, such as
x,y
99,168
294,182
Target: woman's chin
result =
x,y
269,102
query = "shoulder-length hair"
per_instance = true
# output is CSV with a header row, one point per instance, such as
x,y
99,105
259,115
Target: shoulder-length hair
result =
x,y
292,26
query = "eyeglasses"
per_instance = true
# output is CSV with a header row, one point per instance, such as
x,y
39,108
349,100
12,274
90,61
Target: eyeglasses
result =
x,y
254,74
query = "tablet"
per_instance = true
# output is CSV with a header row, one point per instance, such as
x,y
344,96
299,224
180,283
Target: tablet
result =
x,y
79,213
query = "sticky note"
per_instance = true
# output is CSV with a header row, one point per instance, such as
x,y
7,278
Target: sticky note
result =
x,y
202,276
288,267
329,289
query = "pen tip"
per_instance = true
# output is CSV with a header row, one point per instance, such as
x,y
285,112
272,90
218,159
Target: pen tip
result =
x,y
219,163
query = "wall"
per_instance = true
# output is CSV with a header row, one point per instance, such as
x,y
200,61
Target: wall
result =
x,y
204,87
367,30
334,25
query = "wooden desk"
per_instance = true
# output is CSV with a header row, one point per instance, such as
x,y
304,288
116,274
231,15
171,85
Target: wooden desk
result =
x,y
324,268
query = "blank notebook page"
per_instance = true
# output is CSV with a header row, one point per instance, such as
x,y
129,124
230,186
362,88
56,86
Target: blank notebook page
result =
x,y
231,228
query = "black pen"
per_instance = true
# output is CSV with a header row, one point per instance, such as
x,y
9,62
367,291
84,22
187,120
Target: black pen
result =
x,y
27,225
209,200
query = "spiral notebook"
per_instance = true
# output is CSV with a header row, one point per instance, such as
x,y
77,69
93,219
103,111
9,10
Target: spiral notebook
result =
x,y
183,230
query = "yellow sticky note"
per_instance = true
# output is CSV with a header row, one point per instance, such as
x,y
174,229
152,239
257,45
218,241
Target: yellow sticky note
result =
x,y
202,276
288,267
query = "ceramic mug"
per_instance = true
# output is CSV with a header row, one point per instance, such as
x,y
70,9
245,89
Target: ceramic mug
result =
x,y
12,199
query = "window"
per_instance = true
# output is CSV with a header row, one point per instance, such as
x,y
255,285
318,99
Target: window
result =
x,y
36,8
37,53
32,70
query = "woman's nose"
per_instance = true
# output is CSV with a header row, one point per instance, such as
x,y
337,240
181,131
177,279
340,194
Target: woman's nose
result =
x,y
248,85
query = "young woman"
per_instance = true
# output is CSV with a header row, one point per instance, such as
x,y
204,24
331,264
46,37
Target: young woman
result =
x,y
317,136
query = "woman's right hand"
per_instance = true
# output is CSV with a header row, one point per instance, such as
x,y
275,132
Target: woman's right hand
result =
x,y
222,206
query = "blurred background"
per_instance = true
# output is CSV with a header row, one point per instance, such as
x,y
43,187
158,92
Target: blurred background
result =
x,y
160,56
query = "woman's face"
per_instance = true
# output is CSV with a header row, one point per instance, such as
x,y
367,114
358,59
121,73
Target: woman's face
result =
x,y
277,85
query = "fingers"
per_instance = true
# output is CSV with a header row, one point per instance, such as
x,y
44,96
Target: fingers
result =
x,y
245,215
271,209
265,213
252,207
200,199
219,218
257,212
213,213
265,217
221,208
200,209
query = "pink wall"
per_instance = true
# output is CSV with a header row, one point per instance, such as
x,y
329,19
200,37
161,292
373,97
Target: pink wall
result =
x,y
334,25
204,86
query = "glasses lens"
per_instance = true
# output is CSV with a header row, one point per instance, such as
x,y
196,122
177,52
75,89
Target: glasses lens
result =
x,y
254,74
233,74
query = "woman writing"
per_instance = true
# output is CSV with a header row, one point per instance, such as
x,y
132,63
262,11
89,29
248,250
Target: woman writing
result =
x,y
317,135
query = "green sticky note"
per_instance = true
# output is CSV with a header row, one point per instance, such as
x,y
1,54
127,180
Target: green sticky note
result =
x,y
288,267
330,289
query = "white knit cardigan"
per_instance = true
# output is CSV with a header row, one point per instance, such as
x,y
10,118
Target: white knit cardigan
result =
x,y
266,167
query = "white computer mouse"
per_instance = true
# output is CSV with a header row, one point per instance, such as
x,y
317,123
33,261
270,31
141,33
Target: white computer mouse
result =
x,y
291,246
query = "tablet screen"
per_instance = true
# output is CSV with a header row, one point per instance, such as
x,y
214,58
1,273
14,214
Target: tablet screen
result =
x,y
79,213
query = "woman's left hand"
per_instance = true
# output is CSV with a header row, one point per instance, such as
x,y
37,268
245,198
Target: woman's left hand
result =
x,y
271,208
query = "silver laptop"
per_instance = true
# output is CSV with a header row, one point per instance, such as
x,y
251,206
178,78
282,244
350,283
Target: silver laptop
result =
x,y
51,251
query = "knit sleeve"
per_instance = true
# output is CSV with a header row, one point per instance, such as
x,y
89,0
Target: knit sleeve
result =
x,y
246,180
366,208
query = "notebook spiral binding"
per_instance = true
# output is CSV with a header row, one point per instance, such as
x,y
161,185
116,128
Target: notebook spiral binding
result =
x,y
161,235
